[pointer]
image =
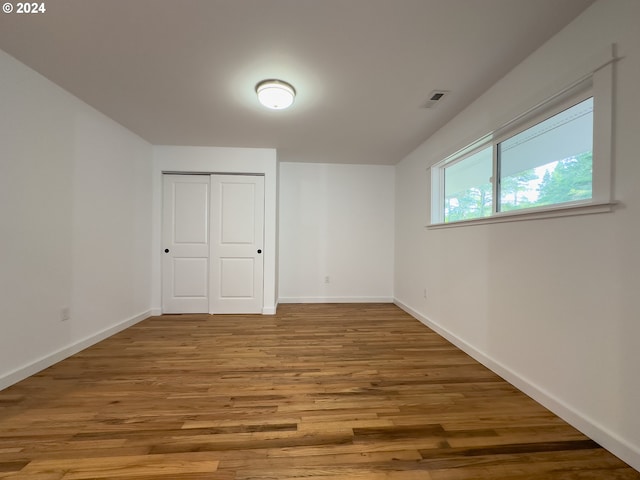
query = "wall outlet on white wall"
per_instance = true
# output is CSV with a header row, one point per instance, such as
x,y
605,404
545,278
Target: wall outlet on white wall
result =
x,y
65,314
327,279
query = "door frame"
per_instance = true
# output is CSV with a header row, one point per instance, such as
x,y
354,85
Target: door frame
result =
x,y
215,301
211,161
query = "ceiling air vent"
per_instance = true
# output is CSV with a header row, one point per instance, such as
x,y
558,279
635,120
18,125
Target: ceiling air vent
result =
x,y
434,97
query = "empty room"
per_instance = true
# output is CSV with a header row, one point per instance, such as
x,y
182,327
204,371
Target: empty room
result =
x,y
337,239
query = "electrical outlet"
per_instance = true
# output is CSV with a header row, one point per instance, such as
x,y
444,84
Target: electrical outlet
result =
x,y
327,279
65,314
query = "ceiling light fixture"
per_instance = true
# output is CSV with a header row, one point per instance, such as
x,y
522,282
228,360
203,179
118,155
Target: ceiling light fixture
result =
x,y
275,94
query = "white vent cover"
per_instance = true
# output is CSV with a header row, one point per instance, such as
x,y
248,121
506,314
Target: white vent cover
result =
x,y
435,97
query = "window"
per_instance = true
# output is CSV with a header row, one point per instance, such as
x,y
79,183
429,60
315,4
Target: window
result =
x,y
549,163
552,160
467,187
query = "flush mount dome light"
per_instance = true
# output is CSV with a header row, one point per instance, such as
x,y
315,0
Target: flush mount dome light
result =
x,y
275,94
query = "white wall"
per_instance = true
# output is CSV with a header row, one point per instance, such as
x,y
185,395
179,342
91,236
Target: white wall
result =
x,y
219,160
75,229
336,221
550,304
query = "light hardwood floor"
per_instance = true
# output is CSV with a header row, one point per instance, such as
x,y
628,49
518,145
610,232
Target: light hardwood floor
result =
x,y
322,392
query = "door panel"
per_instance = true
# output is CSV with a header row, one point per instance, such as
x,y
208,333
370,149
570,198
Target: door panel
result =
x,y
236,277
185,244
191,212
238,213
237,231
190,277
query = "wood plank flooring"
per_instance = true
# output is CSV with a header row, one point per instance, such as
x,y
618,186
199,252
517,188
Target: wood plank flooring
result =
x,y
326,392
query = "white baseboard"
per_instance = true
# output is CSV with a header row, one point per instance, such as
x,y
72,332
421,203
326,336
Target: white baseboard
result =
x,y
618,446
265,311
270,310
335,300
32,368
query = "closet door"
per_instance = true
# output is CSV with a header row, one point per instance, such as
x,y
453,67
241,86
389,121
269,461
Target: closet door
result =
x,y
185,243
237,233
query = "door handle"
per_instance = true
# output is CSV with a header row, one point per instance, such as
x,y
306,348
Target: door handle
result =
x,y
166,250
259,251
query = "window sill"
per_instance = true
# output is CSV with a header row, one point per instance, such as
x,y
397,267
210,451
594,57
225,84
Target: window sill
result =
x,y
533,214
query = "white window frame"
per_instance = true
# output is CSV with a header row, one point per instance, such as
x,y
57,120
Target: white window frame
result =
x,y
598,83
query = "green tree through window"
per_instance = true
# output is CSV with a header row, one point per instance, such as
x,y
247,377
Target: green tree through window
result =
x,y
570,181
474,202
513,190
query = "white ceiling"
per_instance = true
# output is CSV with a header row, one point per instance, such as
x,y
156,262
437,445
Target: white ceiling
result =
x,y
182,72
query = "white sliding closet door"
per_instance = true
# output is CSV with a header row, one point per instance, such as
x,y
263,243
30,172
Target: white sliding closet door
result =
x,y
185,243
212,234
237,232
